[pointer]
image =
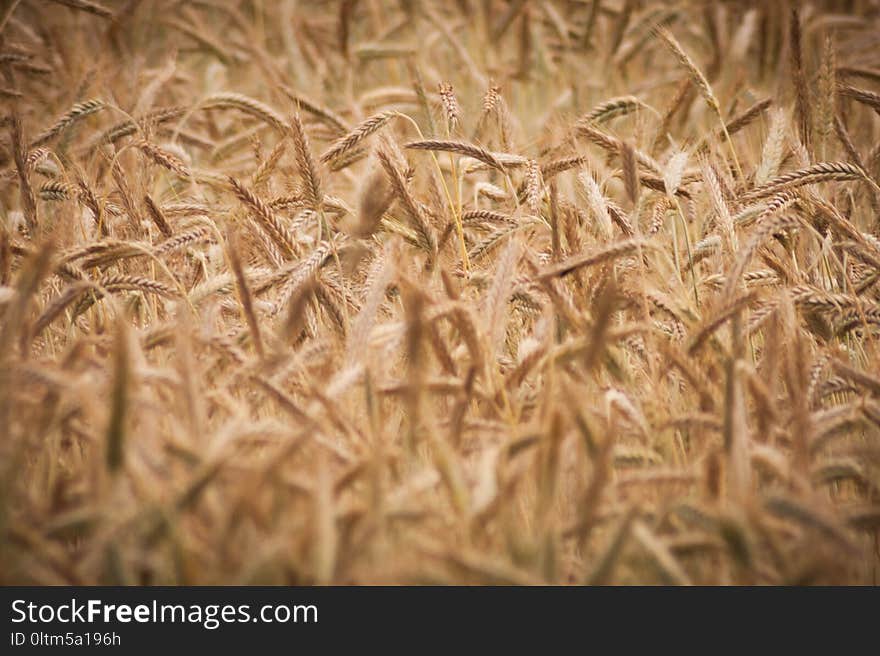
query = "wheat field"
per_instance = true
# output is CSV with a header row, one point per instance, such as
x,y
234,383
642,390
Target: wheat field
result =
x,y
425,292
